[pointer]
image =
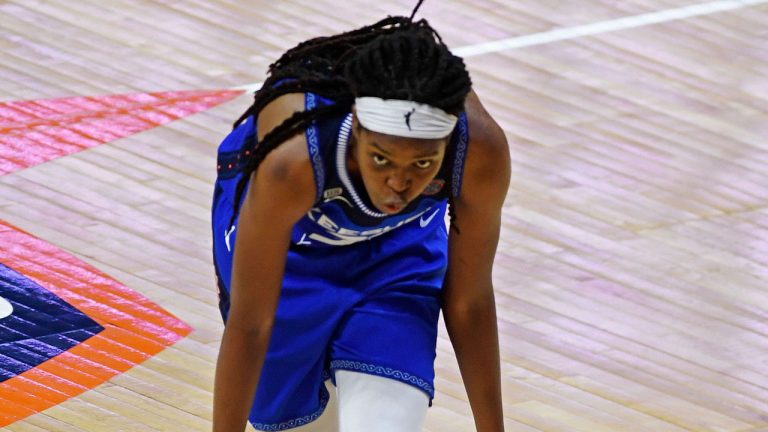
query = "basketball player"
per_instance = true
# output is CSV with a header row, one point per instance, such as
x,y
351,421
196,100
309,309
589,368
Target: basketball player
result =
x,y
331,251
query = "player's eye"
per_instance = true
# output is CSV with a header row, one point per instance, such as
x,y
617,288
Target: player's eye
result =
x,y
423,164
379,160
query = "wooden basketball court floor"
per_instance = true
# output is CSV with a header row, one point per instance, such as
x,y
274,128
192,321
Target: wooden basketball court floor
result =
x,y
632,273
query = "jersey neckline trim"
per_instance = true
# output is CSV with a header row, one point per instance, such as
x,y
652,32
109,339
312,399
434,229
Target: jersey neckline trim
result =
x,y
341,167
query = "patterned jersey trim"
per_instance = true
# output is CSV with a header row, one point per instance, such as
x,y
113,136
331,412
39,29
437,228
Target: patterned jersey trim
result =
x,y
341,168
385,372
313,146
461,154
300,421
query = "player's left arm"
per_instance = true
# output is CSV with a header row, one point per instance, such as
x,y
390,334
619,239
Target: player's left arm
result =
x,y
468,302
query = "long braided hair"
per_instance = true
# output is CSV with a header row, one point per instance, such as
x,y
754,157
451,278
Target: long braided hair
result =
x,y
395,58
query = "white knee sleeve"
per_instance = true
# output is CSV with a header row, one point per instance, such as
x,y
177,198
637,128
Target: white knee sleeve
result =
x,y
369,403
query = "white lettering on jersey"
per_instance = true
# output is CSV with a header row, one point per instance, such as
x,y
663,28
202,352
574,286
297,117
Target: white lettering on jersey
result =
x,y
327,223
343,236
6,308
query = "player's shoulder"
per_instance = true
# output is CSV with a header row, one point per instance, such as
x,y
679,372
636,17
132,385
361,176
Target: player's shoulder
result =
x,y
286,169
487,166
488,148
485,134
277,111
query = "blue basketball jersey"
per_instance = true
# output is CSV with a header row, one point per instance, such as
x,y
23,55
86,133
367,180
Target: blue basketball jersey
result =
x,y
371,306
342,213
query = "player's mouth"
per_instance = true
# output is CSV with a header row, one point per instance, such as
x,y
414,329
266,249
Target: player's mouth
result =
x,y
393,207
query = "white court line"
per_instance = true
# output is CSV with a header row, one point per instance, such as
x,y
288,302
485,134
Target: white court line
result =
x,y
605,26
588,29
249,88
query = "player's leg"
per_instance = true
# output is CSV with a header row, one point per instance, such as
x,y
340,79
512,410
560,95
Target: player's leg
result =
x,y
375,404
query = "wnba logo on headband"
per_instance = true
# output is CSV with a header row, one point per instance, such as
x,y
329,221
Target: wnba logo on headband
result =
x,y
404,118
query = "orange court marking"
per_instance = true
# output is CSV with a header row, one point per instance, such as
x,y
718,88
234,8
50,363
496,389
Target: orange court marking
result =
x,y
134,328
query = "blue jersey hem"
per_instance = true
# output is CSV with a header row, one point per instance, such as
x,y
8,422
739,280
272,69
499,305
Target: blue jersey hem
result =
x,y
386,372
298,421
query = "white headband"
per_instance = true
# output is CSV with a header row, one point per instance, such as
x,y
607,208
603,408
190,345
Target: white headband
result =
x,y
403,118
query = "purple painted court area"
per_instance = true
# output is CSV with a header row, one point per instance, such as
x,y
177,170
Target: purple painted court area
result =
x,y
41,326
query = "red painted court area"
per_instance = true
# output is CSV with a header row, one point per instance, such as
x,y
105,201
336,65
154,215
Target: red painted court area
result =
x,y
36,131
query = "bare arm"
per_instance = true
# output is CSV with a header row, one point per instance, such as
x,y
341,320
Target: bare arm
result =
x,y
468,303
280,192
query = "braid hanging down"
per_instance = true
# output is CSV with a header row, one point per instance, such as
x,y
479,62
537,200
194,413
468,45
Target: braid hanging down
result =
x,y
395,58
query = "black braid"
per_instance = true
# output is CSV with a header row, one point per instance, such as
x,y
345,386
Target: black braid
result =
x,y
416,9
395,58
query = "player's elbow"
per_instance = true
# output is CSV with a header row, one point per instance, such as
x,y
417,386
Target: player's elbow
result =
x,y
468,308
252,320
250,325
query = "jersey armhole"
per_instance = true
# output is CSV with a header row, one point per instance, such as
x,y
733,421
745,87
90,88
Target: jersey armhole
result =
x,y
460,155
313,147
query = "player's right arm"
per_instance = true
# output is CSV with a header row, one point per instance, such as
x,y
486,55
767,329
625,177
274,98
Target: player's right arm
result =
x,y
281,191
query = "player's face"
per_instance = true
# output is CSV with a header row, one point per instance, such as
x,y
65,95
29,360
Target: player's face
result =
x,y
394,170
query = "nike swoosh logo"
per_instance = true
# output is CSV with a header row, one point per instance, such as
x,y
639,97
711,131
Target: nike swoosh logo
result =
x,y
424,222
226,237
6,308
